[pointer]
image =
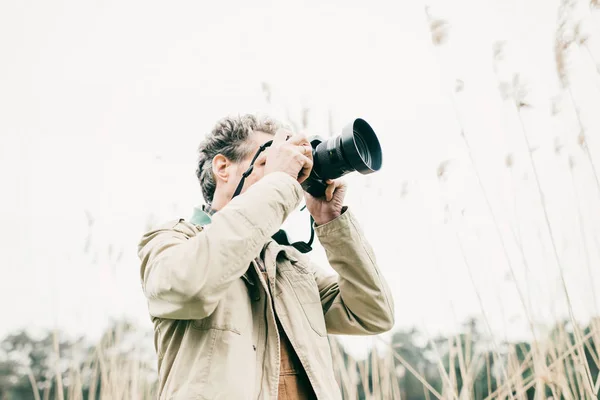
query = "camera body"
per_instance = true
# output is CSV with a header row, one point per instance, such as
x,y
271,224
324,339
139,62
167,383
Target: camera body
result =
x,y
315,184
356,149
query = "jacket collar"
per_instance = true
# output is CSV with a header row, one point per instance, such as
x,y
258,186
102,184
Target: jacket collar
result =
x,y
202,216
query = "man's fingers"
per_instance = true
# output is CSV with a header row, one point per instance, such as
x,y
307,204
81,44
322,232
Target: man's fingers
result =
x,y
280,136
329,191
306,168
299,139
332,187
306,150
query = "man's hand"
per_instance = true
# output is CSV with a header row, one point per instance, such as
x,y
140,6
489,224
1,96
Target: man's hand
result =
x,y
329,207
293,156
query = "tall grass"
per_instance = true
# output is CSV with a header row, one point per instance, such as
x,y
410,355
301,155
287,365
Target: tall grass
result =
x,y
552,367
466,369
118,366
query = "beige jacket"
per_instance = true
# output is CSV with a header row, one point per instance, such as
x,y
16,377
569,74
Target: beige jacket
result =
x,y
214,316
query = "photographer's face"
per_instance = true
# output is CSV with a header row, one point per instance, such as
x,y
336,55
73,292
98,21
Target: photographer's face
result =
x,y
257,139
229,173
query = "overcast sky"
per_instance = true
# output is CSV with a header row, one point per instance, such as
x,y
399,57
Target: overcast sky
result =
x,y
102,106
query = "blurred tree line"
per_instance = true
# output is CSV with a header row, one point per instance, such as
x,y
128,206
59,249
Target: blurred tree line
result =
x,y
465,366
120,365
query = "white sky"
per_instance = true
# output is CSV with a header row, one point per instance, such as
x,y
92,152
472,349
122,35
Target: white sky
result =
x,y
102,106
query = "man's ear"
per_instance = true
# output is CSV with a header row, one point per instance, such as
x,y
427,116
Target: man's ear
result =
x,y
220,167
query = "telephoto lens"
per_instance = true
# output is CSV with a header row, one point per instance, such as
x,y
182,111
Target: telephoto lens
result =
x,y
355,149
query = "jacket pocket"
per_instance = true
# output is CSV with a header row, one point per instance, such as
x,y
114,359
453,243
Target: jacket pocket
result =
x,y
295,268
233,313
307,294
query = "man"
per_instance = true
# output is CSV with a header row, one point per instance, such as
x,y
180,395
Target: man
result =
x,y
237,315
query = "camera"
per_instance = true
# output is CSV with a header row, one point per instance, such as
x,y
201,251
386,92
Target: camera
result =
x,y
355,149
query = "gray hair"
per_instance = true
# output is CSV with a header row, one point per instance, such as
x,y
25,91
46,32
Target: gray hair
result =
x,y
229,137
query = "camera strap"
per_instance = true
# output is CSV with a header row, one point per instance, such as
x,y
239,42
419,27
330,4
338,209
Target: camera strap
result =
x,y
280,236
250,168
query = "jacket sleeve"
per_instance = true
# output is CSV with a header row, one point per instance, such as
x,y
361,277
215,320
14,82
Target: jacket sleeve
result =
x,y
185,273
356,300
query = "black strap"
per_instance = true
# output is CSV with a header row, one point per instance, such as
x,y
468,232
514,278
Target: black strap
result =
x,y
250,168
281,236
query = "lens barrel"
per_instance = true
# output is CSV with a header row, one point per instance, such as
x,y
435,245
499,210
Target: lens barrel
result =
x,y
356,149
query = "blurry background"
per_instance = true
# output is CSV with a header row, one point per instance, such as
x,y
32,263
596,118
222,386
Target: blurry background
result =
x,y
484,218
